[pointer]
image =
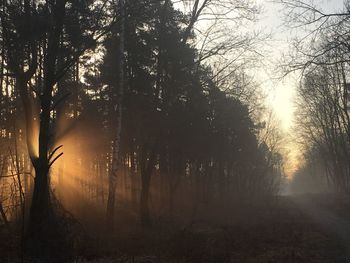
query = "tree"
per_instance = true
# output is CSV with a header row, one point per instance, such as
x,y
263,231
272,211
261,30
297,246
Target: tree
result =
x,y
322,35
42,41
323,123
118,107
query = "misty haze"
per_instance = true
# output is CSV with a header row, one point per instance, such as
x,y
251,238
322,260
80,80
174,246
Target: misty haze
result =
x,y
174,131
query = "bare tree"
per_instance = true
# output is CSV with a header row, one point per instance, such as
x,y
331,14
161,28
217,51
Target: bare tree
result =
x,y
320,35
33,55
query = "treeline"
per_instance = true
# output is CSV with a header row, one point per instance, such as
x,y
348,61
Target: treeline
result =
x,y
323,116
114,102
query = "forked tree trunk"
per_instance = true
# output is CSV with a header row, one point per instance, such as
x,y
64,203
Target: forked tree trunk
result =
x,y
40,218
41,222
42,228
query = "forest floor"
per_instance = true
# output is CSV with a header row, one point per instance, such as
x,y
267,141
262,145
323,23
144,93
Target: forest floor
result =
x,y
309,228
294,229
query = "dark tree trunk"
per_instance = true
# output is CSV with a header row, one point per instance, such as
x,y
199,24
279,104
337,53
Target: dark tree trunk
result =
x,y
146,173
133,181
171,200
118,98
41,207
40,216
144,207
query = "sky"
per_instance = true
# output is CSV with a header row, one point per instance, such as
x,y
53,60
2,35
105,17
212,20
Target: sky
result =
x,y
281,93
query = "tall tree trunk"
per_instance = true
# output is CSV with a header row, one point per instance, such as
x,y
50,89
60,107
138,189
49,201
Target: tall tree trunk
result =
x,y
146,173
42,228
133,177
119,112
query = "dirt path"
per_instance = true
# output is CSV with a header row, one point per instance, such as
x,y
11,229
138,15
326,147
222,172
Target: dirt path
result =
x,y
327,219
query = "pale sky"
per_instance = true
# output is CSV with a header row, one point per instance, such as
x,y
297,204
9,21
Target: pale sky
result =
x,y
282,93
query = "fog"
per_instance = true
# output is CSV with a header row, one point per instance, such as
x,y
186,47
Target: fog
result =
x,y
144,131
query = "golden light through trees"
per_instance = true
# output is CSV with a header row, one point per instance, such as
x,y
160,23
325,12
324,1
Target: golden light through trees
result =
x,y
138,116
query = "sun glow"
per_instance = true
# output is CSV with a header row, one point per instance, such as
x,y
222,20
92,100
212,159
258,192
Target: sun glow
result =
x,y
80,175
